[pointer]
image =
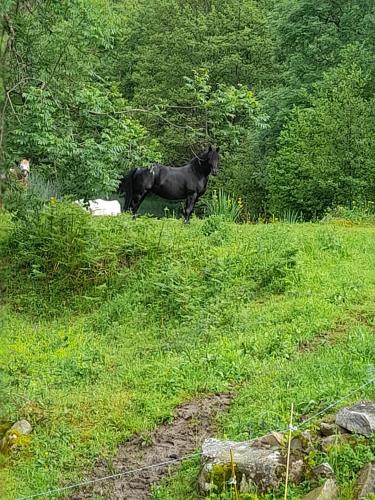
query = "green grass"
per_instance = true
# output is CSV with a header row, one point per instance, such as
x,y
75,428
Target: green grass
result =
x,y
284,312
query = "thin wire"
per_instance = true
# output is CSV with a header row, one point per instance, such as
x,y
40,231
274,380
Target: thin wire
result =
x,y
105,478
186,457
335,403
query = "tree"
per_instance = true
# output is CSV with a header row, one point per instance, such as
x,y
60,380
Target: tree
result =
x,y
312,33
326,151
70,120
167,40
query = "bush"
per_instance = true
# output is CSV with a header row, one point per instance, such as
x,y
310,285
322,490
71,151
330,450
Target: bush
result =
x,y
61,251
357,213
326,148
244,268
54,244
24,200
275,259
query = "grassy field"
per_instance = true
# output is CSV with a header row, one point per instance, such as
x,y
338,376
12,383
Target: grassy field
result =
x,y
283,312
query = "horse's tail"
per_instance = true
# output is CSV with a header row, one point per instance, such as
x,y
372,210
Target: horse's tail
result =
x,y
126,188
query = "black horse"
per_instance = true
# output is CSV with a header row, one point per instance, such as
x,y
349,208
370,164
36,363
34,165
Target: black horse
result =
x,y
173,183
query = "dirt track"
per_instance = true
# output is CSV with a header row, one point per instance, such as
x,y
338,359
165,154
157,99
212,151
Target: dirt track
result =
x,y
192,423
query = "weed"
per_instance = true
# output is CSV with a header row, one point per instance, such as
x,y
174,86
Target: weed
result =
x,y
224,205
358,213
291,216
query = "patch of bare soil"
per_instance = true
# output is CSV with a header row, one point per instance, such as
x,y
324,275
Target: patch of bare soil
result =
x,y
193,422
328,337
341,327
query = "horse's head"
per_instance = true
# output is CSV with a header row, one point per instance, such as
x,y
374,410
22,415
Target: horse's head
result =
x,y
213,159
24,168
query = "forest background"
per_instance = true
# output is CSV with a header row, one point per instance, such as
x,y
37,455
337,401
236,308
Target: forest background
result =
x,y
90,89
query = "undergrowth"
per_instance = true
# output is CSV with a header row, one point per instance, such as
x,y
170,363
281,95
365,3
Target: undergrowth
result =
x,y
358,213
61,254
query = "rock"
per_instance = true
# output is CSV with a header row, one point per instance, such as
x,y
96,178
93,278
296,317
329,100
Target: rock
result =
x,y
22,427
329,491
323,470
273,439
307,435
329,429
308,443
296,471
296,444
330,441
365,484
359,418
16,435
263,468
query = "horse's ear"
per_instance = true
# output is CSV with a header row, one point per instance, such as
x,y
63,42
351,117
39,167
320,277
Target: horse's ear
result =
x,y
217,150
210,148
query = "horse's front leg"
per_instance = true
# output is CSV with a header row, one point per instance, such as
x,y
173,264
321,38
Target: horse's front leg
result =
x,y
136,203
189,207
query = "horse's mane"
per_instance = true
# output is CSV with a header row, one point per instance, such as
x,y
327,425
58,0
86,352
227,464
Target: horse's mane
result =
x,y
198,158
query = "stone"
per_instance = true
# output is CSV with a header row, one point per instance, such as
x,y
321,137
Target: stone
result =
x,y
365,484
359,418
329,441
307,435
22,427
323,470
329,429
15,435
308,442
263,468
296,471
296,444
273,439
329,491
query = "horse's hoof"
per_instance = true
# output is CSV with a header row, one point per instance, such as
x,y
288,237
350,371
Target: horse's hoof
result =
x,y
186,221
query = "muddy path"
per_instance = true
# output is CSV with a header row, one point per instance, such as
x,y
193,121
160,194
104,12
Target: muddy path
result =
x,y
193,422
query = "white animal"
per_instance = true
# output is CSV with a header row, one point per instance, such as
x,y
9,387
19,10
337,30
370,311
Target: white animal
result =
x,y
102,207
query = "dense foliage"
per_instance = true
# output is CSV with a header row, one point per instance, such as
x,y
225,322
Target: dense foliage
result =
x,y
91,89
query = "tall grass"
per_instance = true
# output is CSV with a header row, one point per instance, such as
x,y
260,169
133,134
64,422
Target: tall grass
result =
x,y
24,202
224,205
291,216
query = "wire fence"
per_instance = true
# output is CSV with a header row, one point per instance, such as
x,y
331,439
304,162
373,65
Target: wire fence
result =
x,y
194,455
113,476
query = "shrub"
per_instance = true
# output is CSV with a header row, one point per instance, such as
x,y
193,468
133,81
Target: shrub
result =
x,y
291,216
53,244
274,261
217,229
61,251
358,212
24,200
